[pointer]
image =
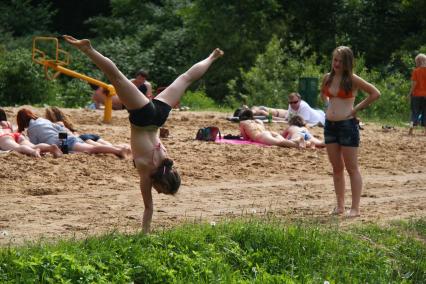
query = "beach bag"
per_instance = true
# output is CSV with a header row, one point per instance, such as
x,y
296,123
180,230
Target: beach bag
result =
x,y
208,133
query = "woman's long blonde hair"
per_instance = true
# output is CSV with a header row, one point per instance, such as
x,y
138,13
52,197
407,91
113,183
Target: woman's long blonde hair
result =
x,y
54,114
347,65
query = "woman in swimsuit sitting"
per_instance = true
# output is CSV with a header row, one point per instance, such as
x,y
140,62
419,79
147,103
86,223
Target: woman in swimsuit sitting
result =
x,y
15,141
341,133
297,129
146,117
254,130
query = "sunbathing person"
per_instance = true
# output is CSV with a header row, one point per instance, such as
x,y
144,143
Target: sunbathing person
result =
x,y
265,111
41,130
254,130
56,115
276,113
146,117
297,129
15,141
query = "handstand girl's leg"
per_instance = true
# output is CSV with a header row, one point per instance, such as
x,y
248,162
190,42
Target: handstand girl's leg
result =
x,y
129,94
172,94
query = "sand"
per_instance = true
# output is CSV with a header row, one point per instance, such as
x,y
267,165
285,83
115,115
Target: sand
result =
x,y
80,195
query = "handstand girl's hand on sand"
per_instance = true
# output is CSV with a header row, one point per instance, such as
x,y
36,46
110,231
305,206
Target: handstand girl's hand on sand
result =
x,y
146,117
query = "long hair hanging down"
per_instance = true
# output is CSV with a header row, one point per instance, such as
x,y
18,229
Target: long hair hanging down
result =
x,y
54,114
24,117
347,64
167,177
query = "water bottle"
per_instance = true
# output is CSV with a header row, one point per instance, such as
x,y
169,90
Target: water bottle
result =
x,y
63,143
269,117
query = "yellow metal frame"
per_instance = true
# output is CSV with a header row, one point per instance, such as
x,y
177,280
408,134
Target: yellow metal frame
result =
x,y
38,56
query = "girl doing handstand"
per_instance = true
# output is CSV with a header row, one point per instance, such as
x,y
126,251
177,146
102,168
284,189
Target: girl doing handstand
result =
x,y
146,117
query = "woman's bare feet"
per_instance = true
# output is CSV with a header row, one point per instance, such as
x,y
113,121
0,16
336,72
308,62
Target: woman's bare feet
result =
x,y
353,213
82,44
337,211
216,54
36,153
56,152
124,153
301,142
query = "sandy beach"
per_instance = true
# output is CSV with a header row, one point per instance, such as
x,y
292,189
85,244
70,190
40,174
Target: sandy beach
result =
x,y
79,194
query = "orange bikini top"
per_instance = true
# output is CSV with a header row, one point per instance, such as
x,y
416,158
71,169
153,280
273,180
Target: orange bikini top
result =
x,y
341,94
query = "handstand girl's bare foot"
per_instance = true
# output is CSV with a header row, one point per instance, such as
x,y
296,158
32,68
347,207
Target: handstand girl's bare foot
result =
x,y
216,53
82,44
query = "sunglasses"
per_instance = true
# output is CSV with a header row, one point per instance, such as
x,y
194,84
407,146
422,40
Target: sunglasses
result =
x,y
295,102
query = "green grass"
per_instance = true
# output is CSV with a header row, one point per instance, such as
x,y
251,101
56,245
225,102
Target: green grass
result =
x,y
241,251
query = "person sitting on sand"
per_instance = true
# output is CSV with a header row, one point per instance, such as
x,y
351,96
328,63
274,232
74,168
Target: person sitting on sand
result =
x,y
56,115
15,141
41,130
254,130
146,117
297,129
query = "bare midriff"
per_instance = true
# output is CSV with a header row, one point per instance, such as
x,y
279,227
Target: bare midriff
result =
x,y
143,141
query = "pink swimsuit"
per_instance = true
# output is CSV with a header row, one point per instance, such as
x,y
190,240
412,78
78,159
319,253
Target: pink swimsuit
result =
x,y
7,131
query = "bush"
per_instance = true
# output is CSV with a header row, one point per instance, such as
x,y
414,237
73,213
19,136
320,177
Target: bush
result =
x,y
197,100
74,93
22,82
274,75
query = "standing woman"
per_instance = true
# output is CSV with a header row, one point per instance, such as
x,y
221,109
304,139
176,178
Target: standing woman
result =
x,y
341,132
146,117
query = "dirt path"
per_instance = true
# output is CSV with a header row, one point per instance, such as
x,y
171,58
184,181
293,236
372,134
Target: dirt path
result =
x,y
80,195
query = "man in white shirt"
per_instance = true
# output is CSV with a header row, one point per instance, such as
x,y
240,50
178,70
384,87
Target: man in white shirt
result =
x,y
297,106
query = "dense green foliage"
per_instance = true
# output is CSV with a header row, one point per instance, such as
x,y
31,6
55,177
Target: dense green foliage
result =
x,y
250,251
269,44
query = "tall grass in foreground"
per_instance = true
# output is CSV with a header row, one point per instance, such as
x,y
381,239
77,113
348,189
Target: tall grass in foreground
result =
x,y
250,251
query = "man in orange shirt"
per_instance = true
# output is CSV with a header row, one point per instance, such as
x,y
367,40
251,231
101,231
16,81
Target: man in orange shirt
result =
x,y
418,93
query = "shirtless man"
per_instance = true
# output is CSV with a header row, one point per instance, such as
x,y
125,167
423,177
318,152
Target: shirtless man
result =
x,y
99,96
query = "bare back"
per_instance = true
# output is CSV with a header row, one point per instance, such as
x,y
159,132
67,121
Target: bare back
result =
x,y
251,129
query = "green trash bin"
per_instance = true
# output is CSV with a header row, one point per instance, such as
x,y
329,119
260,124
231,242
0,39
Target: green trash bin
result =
x,y
308,89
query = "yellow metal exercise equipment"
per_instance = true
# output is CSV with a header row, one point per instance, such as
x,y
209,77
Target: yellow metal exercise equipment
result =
x,y
61,59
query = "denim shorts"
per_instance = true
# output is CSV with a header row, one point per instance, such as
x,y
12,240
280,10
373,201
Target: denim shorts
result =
x,y
342,132
72,140
93,137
